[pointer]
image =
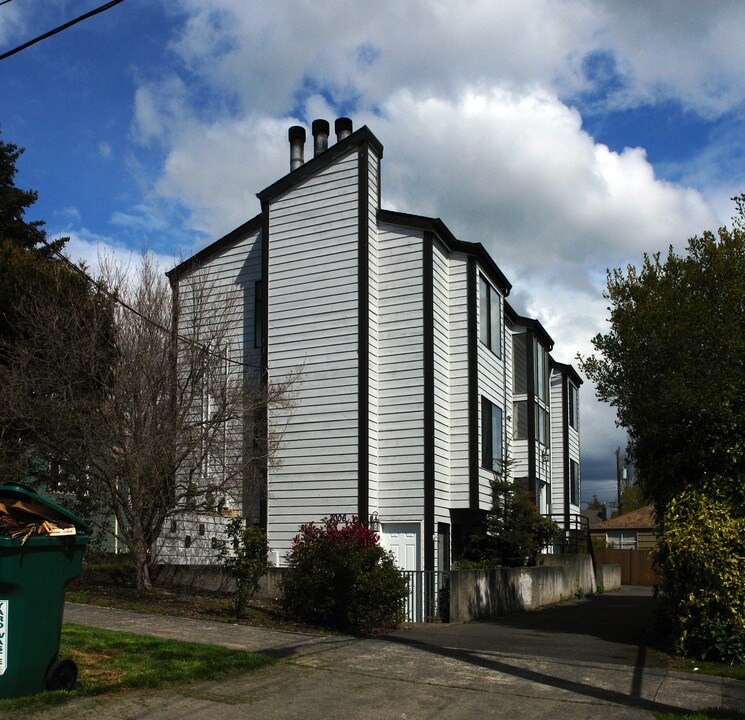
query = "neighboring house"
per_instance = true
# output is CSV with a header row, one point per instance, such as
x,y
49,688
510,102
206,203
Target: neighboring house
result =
x,y
418,379
633,530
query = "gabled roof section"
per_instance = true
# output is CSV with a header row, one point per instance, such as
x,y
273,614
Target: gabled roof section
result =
x,y
357,138
567,370
438,227
253,225
530,324
640,519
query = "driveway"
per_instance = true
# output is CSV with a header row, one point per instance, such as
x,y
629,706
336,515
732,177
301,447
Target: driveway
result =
x,y
584,659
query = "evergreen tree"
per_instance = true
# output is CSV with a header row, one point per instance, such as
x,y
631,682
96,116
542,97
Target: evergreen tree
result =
x,y
26,257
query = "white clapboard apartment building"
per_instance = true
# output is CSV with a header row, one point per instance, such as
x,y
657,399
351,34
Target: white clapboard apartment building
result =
x,y
417,376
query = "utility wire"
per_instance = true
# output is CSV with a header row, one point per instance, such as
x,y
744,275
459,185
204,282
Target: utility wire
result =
x,y
59,29
4,2
103,289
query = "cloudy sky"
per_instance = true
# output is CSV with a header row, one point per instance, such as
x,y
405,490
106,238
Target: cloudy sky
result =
x,y
567,137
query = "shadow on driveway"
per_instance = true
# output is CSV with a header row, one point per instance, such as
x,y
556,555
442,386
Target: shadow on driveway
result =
x,y
612,628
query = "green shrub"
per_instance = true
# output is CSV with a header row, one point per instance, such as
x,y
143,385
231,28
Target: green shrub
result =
x,y
719,642
244,555
700,559
339,576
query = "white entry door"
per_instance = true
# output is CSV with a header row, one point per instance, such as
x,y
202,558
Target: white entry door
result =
x,y
402,539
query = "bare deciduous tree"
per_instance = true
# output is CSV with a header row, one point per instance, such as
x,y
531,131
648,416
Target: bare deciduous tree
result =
x,y
134,417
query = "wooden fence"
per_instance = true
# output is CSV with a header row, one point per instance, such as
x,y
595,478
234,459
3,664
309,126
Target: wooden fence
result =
x,y
636,565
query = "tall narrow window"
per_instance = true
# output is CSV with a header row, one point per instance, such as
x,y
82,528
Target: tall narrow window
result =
x,y
541,371
520,414
574,482
573,407
520,364
490,317
491,436
542,425
258,313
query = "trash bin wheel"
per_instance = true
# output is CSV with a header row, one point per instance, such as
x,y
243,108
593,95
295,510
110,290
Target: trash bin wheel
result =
x,y
62,675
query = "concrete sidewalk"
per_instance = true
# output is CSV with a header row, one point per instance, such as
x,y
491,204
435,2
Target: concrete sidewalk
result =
x,y
275,643
520,667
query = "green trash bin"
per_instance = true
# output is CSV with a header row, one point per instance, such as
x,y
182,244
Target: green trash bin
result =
x,y
33,576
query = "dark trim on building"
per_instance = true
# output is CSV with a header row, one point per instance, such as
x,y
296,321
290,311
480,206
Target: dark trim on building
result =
x,y
565,446
530,341
429,398
569,371
473,386
363,333
234,236
436,226
264,501
531,324
361,137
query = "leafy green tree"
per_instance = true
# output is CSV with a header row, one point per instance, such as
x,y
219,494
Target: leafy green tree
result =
x,y
672,363
633,498
245,556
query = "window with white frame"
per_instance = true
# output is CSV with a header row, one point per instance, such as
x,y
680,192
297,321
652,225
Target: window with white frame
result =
x,y
621,539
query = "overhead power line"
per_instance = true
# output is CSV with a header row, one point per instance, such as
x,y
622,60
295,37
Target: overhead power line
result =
x,y
4,2
59,29
112,296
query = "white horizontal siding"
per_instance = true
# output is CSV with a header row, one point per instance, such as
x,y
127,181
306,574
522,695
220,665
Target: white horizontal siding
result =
x,y
441,306
459,403
400,379
491,385
313,326
557,444
218,298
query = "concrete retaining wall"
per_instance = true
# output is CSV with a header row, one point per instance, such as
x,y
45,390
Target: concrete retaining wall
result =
x,y
580,572
484,594
609,577
213,577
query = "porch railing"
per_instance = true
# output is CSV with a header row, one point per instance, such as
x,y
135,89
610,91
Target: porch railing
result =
x,y
576,537
428,600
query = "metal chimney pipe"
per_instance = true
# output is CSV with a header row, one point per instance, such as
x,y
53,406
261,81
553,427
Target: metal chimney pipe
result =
x,y
343,128
296,136
320,136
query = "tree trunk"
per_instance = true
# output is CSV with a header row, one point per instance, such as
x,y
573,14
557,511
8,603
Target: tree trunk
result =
x,y
141,562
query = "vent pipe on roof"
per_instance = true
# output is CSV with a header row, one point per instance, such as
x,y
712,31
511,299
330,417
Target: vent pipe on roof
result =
x,y
343,128
320,137
296,136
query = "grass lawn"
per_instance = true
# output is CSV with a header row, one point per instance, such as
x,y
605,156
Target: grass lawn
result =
x,y
110,662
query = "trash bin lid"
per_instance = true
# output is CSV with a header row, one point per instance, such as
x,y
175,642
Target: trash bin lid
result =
x,y
37,505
